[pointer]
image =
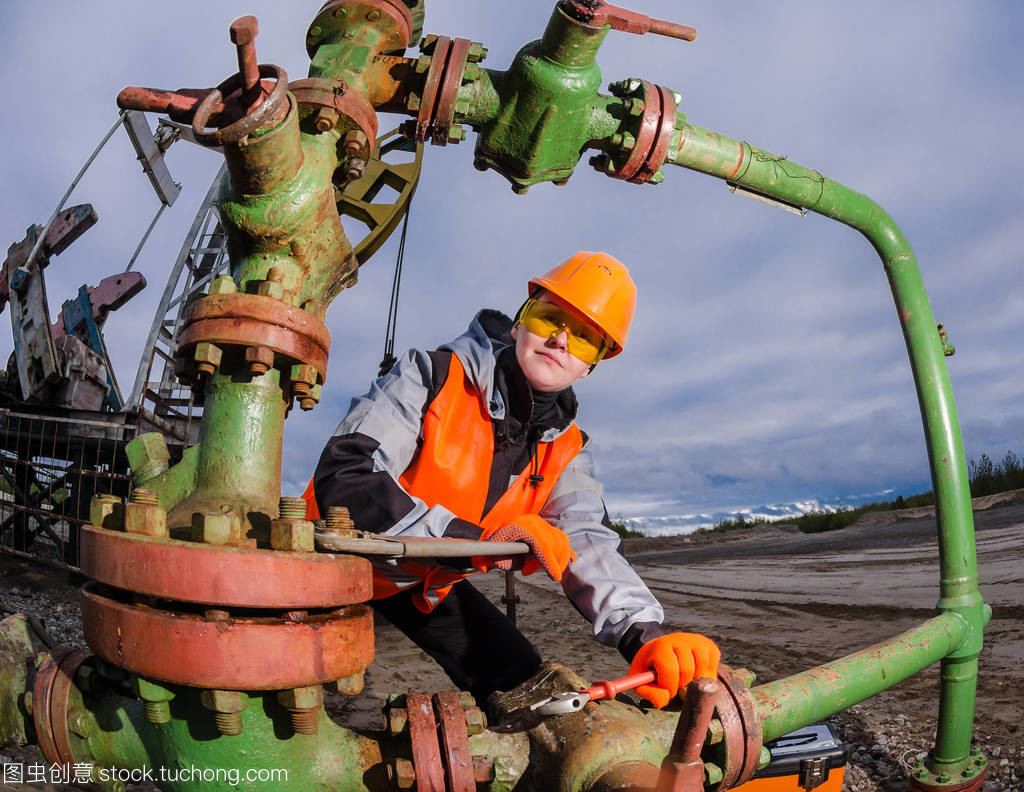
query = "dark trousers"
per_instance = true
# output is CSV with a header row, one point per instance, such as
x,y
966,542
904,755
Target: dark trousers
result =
x,y
473,641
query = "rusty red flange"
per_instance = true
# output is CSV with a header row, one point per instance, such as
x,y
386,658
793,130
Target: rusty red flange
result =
x,y
42,690
60,693
328,19
657,125
431,87
228,654
454,68
970,785
254,320
732,727
451,719
663,137
426,751
750,719
223,576
320,92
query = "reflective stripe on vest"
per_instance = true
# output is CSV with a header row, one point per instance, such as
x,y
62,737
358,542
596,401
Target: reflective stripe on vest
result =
x,y
452,468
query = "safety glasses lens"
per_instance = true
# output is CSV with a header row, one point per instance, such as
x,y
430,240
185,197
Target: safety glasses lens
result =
x,y
546,320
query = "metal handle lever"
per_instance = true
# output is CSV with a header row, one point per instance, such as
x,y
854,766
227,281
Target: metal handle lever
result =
x,y
599,13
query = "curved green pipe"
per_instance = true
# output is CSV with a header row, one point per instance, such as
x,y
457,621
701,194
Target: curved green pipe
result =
x,y
776,177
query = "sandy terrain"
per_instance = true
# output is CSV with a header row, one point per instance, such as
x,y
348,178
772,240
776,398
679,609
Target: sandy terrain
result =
x,y
777,601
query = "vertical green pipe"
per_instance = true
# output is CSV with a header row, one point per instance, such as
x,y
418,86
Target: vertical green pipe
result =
x,y
776,177
238,458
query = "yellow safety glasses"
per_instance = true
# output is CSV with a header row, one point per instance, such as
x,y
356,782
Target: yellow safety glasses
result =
x,y
547,320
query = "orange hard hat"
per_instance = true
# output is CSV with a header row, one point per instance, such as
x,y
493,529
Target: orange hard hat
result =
x,y
599,287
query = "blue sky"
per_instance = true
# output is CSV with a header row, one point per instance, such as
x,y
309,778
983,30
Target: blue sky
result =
x,y
765,363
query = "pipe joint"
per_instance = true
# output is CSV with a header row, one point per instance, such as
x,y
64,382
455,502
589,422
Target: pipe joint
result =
x,y
972,614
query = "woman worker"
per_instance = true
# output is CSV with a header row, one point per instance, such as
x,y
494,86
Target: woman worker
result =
x,y
478,440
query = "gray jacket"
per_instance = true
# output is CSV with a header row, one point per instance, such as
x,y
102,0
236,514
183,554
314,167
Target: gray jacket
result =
x,y
386,424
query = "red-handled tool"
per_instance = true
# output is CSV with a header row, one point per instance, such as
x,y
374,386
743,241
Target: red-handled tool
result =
x,y
562,703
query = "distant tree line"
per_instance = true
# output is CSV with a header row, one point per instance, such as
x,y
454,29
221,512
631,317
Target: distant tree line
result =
x,y
988,477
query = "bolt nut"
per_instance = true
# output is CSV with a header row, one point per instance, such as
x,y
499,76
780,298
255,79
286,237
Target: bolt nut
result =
x,y
303,373
356,168
716,733
79,722
373,15
271,288
477,52
260,359
208,356
397,720
225,701
657,177
145,519
598,161
476,721
483,769
428,42
628,141
456,133
617,88
302,698
339,519
148,456
423,64
635,107
107,511
292,535
355,140
215,529
632,85
223,284
325,119
404,774
147,690
412,104
351,685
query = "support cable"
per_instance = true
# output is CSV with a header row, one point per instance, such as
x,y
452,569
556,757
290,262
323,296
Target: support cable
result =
x,y
389,358
71,187
145,236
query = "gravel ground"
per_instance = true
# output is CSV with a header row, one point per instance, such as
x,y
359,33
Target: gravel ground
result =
x,y
884,735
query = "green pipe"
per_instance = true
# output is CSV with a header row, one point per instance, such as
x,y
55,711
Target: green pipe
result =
x,y
776,177
193,756
808,697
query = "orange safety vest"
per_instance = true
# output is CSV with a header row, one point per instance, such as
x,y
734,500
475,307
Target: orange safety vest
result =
x,y
452,468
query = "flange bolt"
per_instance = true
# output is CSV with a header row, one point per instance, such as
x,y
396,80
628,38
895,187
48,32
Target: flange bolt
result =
x,y
292,508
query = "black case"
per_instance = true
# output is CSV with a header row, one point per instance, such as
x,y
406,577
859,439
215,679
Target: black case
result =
x,y
793,753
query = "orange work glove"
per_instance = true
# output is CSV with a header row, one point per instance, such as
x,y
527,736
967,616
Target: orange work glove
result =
x,y
676,659
549,546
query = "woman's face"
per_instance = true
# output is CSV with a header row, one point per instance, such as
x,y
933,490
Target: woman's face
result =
x,y
546,362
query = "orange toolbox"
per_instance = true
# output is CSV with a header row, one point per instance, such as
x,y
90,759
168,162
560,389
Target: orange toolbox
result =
x,y
806,759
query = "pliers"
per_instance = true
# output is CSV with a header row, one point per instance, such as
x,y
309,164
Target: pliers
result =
x,y
573,701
